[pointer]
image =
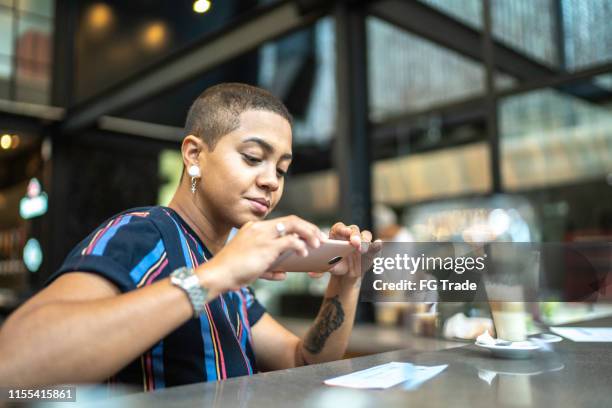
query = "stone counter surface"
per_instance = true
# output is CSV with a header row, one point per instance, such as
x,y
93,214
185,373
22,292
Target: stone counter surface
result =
x,y
573,375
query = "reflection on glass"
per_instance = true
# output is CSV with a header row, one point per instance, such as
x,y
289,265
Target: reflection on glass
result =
x,y
305,59
514,390
6,68
550,138
604,81
312,196
587,32
527,26
25,59
33,82
511,379
33,48
571,34
432,175
499,218
34,39
6,32
40,7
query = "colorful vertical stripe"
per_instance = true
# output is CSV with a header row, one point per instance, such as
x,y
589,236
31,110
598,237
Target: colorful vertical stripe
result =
x,y
103,239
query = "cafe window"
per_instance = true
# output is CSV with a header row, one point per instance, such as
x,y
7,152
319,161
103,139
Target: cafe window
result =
x,y
555,151
26,46
417,74
302,67
587,33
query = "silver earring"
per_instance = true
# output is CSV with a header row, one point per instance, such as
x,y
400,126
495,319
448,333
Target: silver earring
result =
x,y
194,172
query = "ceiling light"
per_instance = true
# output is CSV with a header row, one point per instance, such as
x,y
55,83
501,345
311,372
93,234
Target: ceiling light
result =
x,y
201,6
6,141
99,16
155,35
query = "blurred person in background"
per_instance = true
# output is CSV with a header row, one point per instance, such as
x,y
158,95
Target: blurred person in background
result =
x,y
158,297
387,227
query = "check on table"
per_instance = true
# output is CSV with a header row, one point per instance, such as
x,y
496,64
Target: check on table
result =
x,y
585,334
387,375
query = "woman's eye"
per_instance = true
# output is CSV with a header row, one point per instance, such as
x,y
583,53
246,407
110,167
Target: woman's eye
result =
x,y
251,159
280,173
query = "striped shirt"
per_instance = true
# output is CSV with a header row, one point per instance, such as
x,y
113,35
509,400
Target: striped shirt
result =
x,y
141,246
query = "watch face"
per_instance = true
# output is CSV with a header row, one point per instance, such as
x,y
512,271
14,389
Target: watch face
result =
x,y
182,273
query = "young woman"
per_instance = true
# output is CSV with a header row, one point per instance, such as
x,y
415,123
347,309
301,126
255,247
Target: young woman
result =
x,y
157,296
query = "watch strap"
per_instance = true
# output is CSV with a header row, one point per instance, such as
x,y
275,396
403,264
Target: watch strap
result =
x,y
188,281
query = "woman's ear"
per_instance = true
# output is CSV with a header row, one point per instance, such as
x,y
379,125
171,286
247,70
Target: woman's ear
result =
x,y
190,149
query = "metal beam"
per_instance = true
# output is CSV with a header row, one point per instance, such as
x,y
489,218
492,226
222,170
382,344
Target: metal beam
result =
x,y
488,52
351,153
32,110
212,51
139,128
63,67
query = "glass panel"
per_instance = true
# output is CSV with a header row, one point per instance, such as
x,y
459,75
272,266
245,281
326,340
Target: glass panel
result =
x,y
35,39
528,26
416,74
562,34
503,81
551,138
604,81
41,7
587,32
283,62
555,151
466,11
6,69
6,32
416,178
33,82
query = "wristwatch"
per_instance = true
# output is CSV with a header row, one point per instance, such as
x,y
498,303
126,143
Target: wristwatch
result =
x,y
188,281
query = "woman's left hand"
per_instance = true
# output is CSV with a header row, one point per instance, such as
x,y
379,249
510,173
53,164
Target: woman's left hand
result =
x,y
351,266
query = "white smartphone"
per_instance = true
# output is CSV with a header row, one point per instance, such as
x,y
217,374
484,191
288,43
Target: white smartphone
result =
x,y
320,259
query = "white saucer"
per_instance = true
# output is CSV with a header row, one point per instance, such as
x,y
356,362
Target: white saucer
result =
x,y
514,350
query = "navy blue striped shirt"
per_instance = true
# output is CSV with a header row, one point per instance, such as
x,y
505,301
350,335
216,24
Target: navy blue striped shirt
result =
x,y
143,245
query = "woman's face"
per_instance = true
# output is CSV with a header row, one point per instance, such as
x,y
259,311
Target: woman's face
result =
x,y
243,177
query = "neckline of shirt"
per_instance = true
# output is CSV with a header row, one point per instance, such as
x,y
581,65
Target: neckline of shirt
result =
x,y
190,231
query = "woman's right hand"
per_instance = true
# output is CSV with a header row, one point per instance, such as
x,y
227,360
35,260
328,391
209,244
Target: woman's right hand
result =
x,y
252,251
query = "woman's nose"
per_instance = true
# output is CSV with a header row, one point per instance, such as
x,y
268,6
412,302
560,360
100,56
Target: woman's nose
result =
x,y
268,179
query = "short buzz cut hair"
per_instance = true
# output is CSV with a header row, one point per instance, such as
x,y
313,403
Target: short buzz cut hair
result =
x,y
216,112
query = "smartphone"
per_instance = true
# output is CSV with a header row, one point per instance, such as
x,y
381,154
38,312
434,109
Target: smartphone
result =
x,y
320,259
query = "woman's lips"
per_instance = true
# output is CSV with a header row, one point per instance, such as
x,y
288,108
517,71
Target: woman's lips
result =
x,y
258,207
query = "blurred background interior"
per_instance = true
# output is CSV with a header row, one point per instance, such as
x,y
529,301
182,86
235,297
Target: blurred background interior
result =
x,y
429,120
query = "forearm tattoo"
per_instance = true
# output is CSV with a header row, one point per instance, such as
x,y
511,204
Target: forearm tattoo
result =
x,y
330,318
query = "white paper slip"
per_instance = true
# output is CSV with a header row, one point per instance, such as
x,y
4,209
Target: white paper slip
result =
x,y
585,334
422,374
385,376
